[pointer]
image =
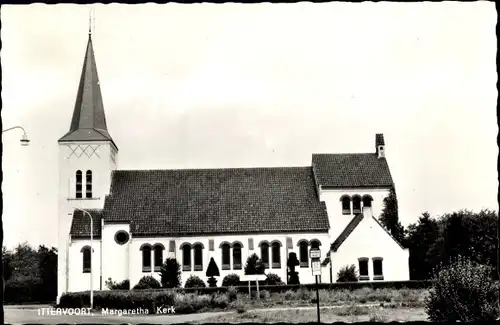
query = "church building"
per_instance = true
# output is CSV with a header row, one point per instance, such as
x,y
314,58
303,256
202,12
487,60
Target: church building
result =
x,y
138,218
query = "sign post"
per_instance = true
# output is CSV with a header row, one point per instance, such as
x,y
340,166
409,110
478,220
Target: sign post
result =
x,y
315,255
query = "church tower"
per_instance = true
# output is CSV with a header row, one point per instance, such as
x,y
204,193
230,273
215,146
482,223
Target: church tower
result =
x,y
87,156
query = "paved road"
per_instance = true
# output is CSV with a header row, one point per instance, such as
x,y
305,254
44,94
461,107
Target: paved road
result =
x,y
30,314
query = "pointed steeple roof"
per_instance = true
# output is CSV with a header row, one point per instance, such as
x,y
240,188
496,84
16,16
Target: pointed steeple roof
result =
x,y
89,121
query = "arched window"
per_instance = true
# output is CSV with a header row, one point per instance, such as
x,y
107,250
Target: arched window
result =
x,y
87,259
198,256
186,257
346,204
79,184
264,254
276,248
146,257
237,256
315,244
367,201
88,184
303,253
226,257
356,204
158,251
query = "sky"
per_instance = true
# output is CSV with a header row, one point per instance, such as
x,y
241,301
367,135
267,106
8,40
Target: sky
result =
x,y
257,85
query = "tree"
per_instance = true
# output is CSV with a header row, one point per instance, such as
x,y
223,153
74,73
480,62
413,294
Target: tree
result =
x,y
254,265
420,238
25,261
170,273
212,271
347,273
7,263
390,218
47,265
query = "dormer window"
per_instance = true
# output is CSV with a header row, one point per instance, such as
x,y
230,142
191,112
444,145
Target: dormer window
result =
x,y
88,184
78,184
346,204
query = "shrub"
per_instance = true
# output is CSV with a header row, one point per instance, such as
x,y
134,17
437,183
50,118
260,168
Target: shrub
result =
x,y
231,280
194,282
220,300
347,274
212,270
232,293
170,273
304,294
463,291
273,279
111,285
147,282
254,265
265,295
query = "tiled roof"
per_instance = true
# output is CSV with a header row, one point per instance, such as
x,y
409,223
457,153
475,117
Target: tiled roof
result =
x,y
89,121
346,232
202,201
80,226
351,170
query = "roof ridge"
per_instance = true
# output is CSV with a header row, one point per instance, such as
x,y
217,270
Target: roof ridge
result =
x,y
347,153
212,169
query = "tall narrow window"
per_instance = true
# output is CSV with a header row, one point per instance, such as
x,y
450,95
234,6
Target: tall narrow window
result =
x,y
226,258
87,259
88,184
186,257
356,204
237,256
377,269
303,253
79,184
198,257
276,248
346,205
250,244
264,254
146,258
363,269
158,249
367,201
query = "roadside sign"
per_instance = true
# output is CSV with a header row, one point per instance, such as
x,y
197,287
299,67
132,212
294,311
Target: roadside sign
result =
x,y
316,267
315,253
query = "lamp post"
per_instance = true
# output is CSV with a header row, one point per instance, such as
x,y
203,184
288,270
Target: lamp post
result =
x,y
24,138
91,253
24,142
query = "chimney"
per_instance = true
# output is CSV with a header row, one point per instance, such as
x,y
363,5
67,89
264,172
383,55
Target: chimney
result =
x,y
380,145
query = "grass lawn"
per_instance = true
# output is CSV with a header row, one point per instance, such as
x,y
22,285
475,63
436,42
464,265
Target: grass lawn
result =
x,y
341,314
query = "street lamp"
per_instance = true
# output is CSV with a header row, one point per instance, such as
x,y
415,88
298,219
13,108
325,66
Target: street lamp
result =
x,y
24,138
91,253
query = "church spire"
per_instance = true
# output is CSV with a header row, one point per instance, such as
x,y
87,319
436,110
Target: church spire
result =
x,y
89,121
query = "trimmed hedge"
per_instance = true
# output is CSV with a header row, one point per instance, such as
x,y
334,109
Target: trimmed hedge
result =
x,y
146,299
